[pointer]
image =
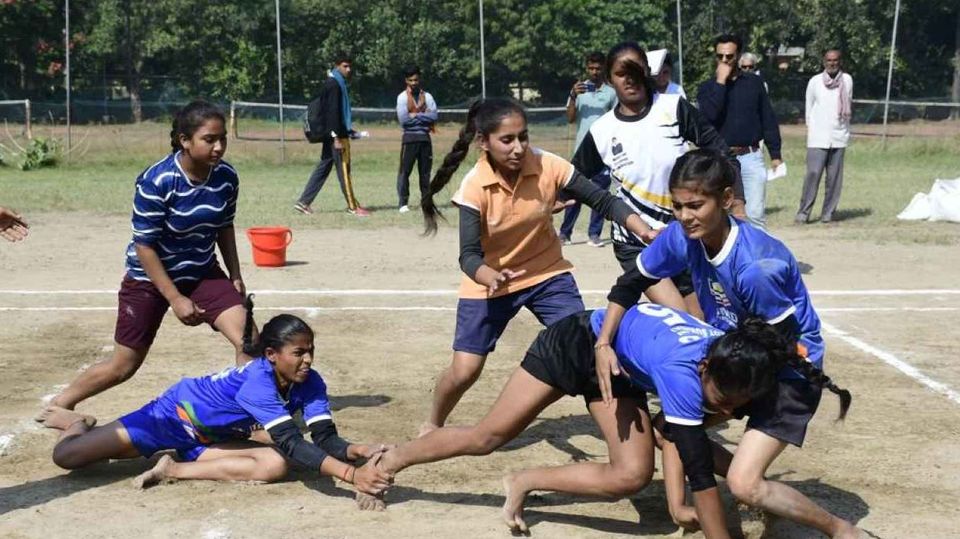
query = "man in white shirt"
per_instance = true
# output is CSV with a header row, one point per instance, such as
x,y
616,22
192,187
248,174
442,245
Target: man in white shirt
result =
x,y
829,108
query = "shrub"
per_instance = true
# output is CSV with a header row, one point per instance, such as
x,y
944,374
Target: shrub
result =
x,y
40,152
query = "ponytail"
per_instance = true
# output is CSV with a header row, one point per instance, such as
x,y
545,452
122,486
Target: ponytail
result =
x,y
451,162
818,378
249,347
483,118
747,362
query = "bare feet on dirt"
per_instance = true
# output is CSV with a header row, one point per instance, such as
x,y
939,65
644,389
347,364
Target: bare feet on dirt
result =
x,y
56,417
513,505
160,472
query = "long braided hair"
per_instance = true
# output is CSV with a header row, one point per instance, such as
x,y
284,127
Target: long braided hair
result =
x,y
746,361
275,333
483,118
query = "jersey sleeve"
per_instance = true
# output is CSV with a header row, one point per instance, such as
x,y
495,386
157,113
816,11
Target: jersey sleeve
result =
x,y
681,395
469,193
666,256
231,210
316,404
762,286
560,170
587,159
258,396
149,211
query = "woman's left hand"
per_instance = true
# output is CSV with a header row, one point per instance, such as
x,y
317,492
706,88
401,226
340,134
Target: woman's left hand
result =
x,y
238,284
367,451
561,205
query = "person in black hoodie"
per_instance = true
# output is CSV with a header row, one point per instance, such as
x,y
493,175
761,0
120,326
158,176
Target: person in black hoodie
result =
x,y
336,117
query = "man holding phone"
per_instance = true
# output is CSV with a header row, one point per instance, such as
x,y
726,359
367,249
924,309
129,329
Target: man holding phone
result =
x,y
589,99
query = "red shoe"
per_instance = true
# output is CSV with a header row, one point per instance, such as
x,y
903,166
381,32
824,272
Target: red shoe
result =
x,y
359,211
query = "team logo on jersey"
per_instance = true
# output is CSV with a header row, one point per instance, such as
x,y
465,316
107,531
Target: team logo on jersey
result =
x,y
719,296
616,146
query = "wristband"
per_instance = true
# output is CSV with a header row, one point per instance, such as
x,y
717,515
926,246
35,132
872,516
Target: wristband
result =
x,y
353,474
600,345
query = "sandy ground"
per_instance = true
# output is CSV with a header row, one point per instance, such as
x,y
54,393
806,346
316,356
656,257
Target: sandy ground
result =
x,y
892,466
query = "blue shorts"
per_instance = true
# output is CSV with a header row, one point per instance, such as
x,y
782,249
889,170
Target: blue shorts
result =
x,y
157,427
480,322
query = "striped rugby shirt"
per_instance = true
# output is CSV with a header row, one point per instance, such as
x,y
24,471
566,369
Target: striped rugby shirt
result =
x,y
640,152
181,219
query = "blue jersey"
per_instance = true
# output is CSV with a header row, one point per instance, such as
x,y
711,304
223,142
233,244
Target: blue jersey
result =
x,y
181,219
660,349
754,274
227,405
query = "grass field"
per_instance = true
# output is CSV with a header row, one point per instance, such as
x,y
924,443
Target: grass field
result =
x,y
98,177
382,302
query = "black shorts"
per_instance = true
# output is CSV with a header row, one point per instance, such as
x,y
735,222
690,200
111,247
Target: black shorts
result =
x,y
562,356
627,256
785,412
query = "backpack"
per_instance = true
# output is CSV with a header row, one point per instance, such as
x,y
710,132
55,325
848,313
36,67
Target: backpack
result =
x,y
313,121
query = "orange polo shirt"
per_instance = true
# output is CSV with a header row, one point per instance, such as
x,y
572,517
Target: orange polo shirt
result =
x,y
516,222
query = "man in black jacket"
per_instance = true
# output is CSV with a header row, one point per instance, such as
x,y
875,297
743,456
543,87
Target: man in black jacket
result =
x,y
336,117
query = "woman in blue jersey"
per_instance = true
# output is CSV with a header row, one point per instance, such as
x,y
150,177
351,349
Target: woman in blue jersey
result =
x,y
638,142
690,365
208,421
183,209
738,271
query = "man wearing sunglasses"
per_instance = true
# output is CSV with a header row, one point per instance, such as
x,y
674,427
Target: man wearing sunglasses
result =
x,y
737,105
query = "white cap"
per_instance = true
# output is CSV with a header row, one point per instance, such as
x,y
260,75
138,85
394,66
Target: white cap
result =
x,y
655,60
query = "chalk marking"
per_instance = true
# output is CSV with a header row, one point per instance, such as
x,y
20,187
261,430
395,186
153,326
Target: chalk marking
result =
x,y
893,361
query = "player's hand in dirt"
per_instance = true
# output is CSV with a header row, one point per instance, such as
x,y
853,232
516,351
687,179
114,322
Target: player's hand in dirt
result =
x,y
370,479
686,517
12,225
187,311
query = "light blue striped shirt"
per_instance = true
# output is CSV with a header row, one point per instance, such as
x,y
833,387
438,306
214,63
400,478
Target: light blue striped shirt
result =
x,y
180,219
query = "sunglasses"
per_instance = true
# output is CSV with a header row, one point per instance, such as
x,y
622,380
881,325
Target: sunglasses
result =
x,y
725,56
747,67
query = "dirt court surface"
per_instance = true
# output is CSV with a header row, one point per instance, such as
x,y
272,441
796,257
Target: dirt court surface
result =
x,y
893,466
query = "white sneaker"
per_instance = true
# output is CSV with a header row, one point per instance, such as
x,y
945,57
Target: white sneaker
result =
x,y
404,209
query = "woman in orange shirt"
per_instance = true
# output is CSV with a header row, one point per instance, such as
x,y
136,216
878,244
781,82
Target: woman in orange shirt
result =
x,y
509,250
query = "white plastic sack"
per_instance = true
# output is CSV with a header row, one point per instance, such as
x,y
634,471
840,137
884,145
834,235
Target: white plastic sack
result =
x,y
941,204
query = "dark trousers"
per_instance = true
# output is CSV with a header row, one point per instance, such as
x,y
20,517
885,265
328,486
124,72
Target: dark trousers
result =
x,y
819,159
410,153
570,214
330,158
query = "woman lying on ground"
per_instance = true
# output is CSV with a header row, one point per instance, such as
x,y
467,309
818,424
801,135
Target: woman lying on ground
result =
x,y
208,421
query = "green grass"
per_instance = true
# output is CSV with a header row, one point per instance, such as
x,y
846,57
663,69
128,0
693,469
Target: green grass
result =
x,y
98,178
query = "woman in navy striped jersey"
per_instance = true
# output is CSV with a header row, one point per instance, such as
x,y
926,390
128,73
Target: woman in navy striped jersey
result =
x,y
183,209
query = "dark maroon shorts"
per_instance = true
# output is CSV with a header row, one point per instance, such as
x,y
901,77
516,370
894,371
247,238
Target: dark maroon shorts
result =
x,y
141,307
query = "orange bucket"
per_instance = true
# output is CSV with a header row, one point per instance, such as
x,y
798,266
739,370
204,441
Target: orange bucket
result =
x,y
270,245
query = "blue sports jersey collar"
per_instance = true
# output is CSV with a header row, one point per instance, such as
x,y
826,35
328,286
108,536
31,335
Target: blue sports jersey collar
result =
x,y
176,160
727,245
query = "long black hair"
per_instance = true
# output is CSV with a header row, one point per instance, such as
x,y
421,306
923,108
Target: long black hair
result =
x,y
188,119
483,118
279,331
746,361
638,73
708,171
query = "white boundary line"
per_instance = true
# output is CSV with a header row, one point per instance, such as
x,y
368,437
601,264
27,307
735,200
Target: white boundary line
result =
x,y
893,361
453,292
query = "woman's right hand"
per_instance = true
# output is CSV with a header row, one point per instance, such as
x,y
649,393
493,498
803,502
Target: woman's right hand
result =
x,y
370,479
607,367
493,279
187,311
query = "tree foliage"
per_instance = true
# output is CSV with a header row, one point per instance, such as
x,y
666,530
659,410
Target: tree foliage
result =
x,y
171,50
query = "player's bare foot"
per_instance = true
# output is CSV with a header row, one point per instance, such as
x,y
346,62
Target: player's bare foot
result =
x,y
426,428
366,502
160,472
512,511
849,532
57,417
